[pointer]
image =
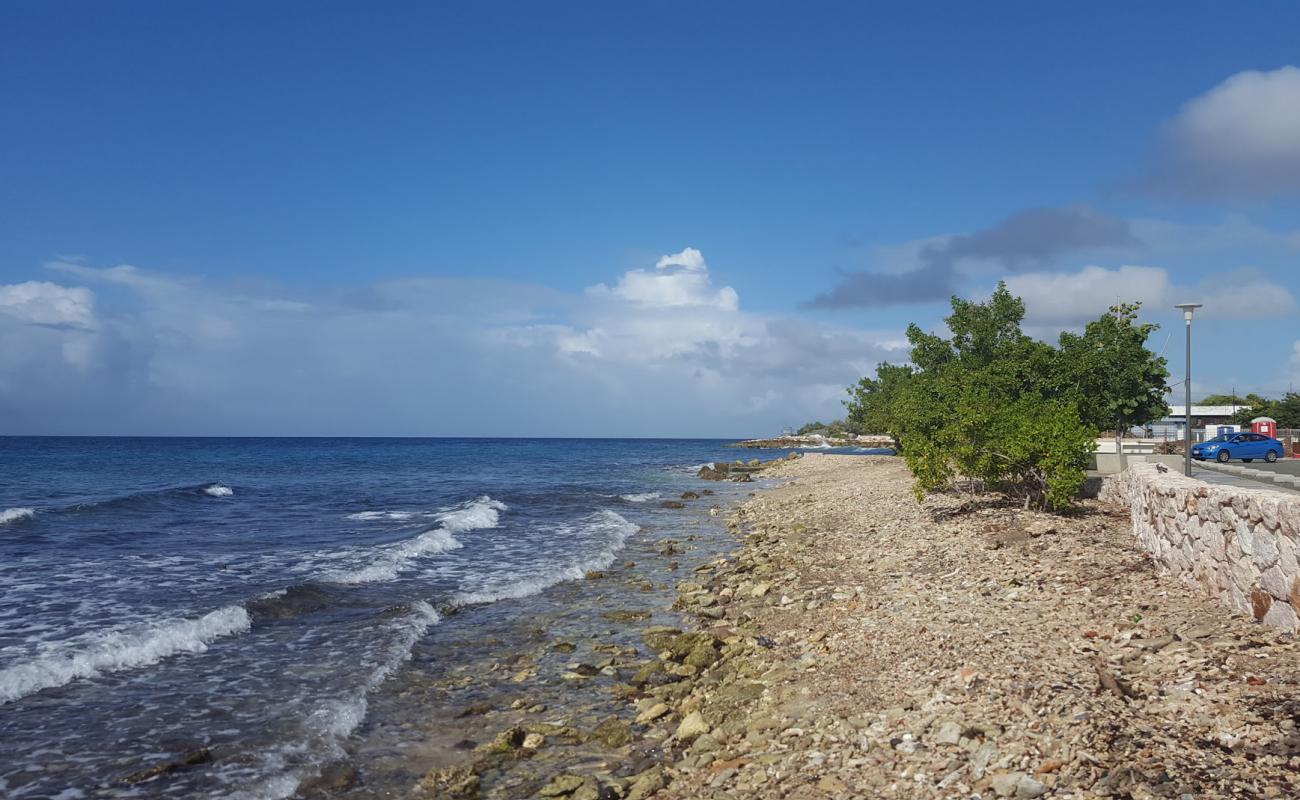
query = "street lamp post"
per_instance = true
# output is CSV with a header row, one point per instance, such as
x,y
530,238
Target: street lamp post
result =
x,y
1188,308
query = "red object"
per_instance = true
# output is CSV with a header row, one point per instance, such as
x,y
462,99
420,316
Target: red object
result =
x,y
1266,426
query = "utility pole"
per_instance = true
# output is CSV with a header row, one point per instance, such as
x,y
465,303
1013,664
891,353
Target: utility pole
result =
x,y
1187,309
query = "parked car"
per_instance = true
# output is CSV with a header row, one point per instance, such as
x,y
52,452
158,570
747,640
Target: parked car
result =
x,y
1245,446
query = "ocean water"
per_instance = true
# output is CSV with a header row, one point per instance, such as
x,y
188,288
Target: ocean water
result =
x,y
258,596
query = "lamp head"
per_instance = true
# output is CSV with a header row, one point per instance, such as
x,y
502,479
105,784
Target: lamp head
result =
x,y
1188,308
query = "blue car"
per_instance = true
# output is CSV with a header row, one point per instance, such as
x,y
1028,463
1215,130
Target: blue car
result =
x,y
1245,446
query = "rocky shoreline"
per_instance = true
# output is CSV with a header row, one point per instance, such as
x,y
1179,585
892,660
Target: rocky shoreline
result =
x,y
794,441
857,645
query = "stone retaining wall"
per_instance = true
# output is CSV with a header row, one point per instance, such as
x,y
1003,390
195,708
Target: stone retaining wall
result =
x,y
1240,545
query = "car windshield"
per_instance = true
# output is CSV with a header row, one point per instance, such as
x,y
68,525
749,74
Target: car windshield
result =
x,y
1219,439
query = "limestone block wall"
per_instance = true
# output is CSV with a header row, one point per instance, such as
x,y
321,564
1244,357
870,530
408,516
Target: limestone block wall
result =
x,y
1239,545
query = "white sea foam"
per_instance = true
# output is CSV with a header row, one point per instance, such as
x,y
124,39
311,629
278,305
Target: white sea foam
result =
x,y
15,514
219,490
371,515
118,650
330,723
392,559
616,530
643,497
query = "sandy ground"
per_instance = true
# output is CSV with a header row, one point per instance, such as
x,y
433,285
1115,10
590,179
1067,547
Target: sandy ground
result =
x,y
871,647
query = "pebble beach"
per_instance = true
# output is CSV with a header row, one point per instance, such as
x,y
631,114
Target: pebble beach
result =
x,y
859,645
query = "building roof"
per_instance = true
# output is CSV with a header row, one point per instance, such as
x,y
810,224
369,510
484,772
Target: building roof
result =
x,y
1206,411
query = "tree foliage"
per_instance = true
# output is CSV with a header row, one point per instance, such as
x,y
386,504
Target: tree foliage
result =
x,y
993,404
1286,411
838,428
1109,373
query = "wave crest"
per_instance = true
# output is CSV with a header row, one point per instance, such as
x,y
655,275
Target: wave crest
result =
x,y
120,650
218,490
643,497
481,513
511,587
15,514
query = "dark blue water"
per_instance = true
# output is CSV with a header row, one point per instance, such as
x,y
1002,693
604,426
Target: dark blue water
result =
x,y
161,592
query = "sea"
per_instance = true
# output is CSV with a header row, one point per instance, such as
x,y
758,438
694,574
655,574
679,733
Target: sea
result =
x,y
236,618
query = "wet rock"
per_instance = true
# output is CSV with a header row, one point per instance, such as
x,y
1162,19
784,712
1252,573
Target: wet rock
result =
x,y
593,575
564,734
565,785
672,504
646,784
652,673
653,712
458,782
703,655
660,638
533,741
200,755
613,732
690,496
475,709
333,778
506,741
627,615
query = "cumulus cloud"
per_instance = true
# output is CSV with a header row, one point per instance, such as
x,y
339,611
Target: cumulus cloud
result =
x,y
1075,297
689,258
1068,298
421,356
45,303
1239,139
1030,239
679,279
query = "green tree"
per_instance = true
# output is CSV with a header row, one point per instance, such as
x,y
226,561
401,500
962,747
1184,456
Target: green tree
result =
x,y
872,400
1286,411
982,404
1108,372
990,403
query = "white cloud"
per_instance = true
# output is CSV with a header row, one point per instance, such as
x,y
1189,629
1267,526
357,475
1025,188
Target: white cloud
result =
x,y
680,279
1233,233
1072,297
1240,138
1068,298
689,258
45,303
424,356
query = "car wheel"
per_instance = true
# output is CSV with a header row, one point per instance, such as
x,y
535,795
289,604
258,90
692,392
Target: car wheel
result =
x,y
1223,456
1271,457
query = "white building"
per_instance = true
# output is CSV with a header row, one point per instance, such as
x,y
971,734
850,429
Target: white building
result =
x,y
1206,421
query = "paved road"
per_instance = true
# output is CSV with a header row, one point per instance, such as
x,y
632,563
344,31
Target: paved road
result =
x,y
1256,475
1286,466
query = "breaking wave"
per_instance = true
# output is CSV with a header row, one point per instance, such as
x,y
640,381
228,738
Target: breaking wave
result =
x,y
330,723
643,497
15,514
393,558
120,650
218,490
515,585
371,515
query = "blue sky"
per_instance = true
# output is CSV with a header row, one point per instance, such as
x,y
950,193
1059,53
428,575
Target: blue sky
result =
x,y
600,219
